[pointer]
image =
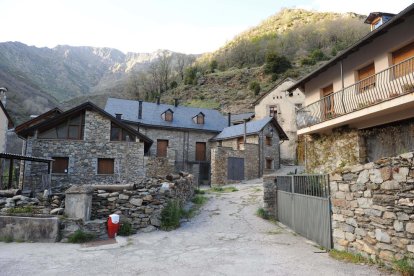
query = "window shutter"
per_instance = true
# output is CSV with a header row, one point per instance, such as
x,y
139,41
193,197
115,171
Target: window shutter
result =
x,y
162,146
200,151
105,166
60,165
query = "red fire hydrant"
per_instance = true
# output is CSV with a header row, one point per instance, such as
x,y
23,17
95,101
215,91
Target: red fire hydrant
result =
x,y
113,225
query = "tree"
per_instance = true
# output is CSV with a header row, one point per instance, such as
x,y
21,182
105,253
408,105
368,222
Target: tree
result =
x,y
173,84
133,85
213,65
276,64
255,87
190,75
164,68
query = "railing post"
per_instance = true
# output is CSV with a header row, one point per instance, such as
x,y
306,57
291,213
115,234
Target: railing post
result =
x,y
293,184
342,100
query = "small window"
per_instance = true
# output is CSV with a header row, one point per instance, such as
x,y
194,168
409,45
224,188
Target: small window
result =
x,y
200,151
168,115
366,78
105,166
269,164
60,164
119,134
400,58
268,141
72,129
162,146
240,143
200,119
272,111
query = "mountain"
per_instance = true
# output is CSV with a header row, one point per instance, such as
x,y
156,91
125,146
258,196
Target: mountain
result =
x,y
41,78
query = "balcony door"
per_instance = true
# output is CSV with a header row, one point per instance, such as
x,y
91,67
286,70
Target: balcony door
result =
x,y
328,102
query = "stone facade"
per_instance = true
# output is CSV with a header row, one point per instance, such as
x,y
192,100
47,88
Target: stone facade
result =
x,y
270,195
180,153
83,156
325,153
285,107
255,154
373,208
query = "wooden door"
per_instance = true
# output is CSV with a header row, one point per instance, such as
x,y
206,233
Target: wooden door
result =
x,y
200,151
162,146
328,102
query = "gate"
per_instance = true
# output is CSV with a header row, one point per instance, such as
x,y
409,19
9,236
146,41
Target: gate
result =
x,y
204,173
235,168
303,204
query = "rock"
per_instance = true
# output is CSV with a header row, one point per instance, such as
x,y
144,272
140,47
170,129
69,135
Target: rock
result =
x,y
368,193
112,199
410,227
155,221
340,195
352,221
410,248
147,229
382,236
103,195
361,232
373,212
337,233
401,175
364,202
57,211
344,187
389,215
114,194
20,197
123,197
343,242
349,236
375,176
357,168
147,198
335,177
386,255
407,155
363,177
334,186
46,194
136,201
349,176
368,248
398,226
386,173
338,217
402,216
390,185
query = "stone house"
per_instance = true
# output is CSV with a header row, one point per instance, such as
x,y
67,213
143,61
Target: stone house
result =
x,y
246,151
282,105
181,134
87,144
6,122
359,106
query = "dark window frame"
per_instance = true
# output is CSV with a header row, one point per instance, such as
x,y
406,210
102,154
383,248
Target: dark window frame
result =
x,y
60,165
122,134
104,171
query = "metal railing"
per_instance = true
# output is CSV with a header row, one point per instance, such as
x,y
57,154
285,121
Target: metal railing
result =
x,y
390,83
305,184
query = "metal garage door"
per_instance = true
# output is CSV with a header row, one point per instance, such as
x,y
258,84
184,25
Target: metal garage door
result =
x,y
235,168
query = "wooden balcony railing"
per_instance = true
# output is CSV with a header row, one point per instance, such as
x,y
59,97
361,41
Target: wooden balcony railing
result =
x,y
390,83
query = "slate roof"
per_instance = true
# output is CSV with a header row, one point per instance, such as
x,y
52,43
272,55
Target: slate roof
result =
x,y
183,116
235,118
252,127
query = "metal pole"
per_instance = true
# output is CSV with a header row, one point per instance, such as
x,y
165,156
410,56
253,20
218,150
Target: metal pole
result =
x,y
342,81
11,173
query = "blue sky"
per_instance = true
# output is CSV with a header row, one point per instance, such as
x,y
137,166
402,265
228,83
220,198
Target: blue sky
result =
x,y
187,26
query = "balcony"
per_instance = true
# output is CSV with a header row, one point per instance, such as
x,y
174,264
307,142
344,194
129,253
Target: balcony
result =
x,y
389,84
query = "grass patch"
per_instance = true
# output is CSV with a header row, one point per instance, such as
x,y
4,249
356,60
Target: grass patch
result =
x,y
7,239
274,232
125,229
230,189
171,215
261,213
349,257
404,266
20,210
199,200
199,192
206,103
80,237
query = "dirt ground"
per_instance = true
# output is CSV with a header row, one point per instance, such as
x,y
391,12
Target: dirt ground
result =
x,y
225,238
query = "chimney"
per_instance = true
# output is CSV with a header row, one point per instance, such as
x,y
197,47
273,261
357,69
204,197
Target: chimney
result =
x,y
229,119
245,131
3,96
175,102
139,109
158,100
118,116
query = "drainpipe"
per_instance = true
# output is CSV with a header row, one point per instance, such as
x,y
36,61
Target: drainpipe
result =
x,y
140,109
245,131
342,83
229,119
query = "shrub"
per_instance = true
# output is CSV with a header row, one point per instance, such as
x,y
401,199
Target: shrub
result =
x,y
199,192
170,215
261,213
213,65
255,87
125,229
405,266
80,237
173,84
224,190
20,210
199,200
190,75
276,64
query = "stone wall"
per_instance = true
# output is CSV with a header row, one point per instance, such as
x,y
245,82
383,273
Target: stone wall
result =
x,y
158,166
83,156
219,156
142,206
325,153
270,195
373,208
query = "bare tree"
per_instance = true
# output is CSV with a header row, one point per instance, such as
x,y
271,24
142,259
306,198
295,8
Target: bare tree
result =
x,y
164,69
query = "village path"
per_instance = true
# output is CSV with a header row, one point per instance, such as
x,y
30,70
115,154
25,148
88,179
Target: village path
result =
x,y
225,238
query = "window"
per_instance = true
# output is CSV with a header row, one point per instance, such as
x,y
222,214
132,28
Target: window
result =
x,y
240,143
268,140
400,58
298,106
60,164
328,101
200,119
119,134
200,151
366,78
162,146
167,115
72,129
105,166
269,164
272,111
